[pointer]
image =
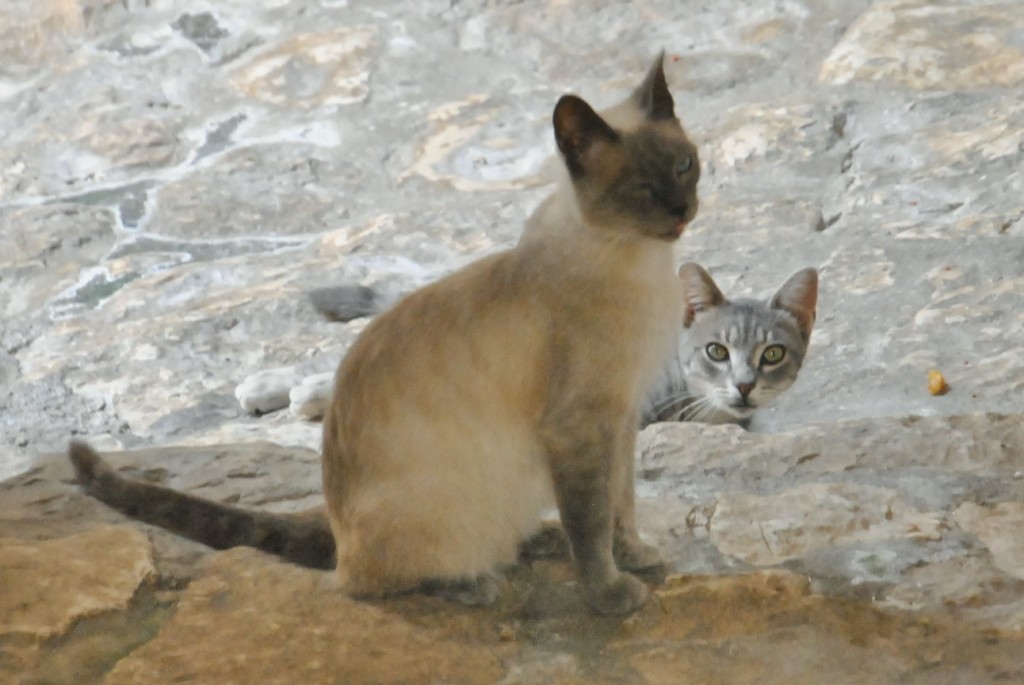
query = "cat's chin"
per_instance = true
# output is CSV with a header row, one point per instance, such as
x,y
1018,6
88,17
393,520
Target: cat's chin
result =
x,y
675,232
741,412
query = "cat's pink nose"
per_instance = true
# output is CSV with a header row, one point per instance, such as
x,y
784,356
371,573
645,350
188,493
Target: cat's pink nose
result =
x,y
745,389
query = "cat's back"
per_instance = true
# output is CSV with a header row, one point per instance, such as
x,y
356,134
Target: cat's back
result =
x,y
489,334
475,337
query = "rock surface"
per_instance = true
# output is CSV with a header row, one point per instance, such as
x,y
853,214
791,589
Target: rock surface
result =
x,y
175,176
914,513
49,585
836,579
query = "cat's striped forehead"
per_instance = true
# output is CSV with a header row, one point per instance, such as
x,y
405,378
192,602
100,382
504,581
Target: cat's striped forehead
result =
x,y
745,324
742,331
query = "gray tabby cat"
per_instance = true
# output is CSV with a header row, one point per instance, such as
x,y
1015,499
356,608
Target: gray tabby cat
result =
x,y
733,356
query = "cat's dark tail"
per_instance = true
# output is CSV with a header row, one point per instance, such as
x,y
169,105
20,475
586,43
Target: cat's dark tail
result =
x,y
303,539
345,302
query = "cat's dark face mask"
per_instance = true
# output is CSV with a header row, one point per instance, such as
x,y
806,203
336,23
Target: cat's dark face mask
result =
x,y
639,181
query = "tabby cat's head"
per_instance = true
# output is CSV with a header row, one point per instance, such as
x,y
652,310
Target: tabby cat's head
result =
x,y
634,180
740,355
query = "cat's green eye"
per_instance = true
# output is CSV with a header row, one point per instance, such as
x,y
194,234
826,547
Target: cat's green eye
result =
x,y
716,352
773,354
684,165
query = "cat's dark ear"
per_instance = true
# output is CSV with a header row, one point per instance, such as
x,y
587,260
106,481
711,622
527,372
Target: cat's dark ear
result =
x,y
700,292
652,96
578,131
799,296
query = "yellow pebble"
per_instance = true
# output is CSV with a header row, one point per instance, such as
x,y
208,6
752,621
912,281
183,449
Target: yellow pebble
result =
x,y
937,383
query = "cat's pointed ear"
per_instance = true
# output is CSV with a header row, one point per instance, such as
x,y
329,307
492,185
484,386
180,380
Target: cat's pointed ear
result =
x,y
652,96
700,292
578,130
799,296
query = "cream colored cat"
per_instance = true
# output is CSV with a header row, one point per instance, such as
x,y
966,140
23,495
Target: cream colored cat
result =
x,y
474,404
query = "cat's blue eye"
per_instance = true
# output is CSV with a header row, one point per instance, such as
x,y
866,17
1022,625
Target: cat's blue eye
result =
x,y
773,354
716,352
684,165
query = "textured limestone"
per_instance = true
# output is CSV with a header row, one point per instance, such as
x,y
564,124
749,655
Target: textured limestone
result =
x,y
917,579
914,513
999,528
312,70
237,156
33,33
41,267
772,529
469,148
900,40
287,624
50,584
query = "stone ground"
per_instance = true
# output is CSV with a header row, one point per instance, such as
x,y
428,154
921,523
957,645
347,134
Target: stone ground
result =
x,y
174,176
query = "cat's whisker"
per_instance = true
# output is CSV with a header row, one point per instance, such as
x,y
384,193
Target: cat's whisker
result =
x,y
697,410
690,413
672,399
686,411
709,410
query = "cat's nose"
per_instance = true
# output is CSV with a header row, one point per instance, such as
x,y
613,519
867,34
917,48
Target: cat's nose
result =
x,y
680,210
745,389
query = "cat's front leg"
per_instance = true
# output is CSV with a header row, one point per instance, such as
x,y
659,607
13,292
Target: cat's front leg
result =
x,y
636,556
585,459
631,553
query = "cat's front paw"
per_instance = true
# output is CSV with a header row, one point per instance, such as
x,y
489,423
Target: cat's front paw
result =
x,y
621,597
642,559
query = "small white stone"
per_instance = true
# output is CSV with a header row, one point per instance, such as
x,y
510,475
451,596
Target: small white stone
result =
x,y
310,399
267,391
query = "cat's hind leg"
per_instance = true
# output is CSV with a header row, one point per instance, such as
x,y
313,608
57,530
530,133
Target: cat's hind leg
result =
x,y
549,542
